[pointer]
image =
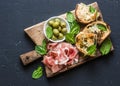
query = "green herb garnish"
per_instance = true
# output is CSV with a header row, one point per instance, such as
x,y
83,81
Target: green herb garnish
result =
x,y
41,49
74,28
37,73
106,46
101,27
92,9
49,32
91,50
44,44
70,17
70,38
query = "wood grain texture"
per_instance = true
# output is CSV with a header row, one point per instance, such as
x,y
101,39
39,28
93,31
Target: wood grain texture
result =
x,y
29,57
36,33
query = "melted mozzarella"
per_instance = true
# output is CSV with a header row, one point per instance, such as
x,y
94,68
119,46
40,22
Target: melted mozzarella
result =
x,y
94,29
84,12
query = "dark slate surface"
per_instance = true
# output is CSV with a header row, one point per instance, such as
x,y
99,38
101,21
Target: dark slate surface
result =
x,y
15,15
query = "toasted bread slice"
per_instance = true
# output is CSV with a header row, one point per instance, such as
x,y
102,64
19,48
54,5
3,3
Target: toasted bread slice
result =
x,y
84,41
100,28
86,13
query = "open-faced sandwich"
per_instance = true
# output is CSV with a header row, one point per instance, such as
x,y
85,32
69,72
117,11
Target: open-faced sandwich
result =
x,y
86,13
100,28
93,34
85,41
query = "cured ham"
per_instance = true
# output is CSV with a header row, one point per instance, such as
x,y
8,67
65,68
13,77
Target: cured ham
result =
x,y
50,46
59,55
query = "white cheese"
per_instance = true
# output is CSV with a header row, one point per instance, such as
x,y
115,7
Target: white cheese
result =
x,y
84,12
94,28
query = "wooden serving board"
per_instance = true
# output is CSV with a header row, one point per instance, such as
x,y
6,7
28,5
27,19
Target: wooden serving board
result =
x,y
35,32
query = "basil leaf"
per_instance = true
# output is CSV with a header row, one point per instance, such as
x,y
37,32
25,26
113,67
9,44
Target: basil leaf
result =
x,y
40,50
70,17
75,28
91,50
37,73
44,44
101,27
92,9
49,32
105,47
70,38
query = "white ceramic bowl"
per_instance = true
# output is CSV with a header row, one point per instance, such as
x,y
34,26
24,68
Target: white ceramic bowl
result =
x,y
46,24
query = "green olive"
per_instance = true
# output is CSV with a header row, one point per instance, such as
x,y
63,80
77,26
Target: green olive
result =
x,y
57,20
55,24
59,28
64,30
60,36
51,22
63,24
55,32
54,37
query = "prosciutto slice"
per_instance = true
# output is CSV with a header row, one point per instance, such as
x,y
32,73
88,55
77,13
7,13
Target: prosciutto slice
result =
x,y
60,55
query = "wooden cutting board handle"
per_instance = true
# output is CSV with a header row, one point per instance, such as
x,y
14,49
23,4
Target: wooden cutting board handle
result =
x,y
29,57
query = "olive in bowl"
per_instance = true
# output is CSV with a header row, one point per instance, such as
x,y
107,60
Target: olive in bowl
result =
x,y
55,29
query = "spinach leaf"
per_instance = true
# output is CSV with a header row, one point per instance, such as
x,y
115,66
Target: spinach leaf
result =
x,y
101,27
91,50
44,44
75,28
49,32
70,17
37,73
92,9
70,38
105,47
41,49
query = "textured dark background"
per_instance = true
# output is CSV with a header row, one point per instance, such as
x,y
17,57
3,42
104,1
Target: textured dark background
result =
x,y
16,15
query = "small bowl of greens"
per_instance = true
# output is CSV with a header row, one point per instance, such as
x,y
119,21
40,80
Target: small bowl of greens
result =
x,y
55,29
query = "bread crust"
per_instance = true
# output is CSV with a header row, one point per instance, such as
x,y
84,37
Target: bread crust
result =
x,y
81,19
103,34
91,38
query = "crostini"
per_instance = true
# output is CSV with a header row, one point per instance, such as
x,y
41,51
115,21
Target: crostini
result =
x,y
100,28
86,13
84,41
